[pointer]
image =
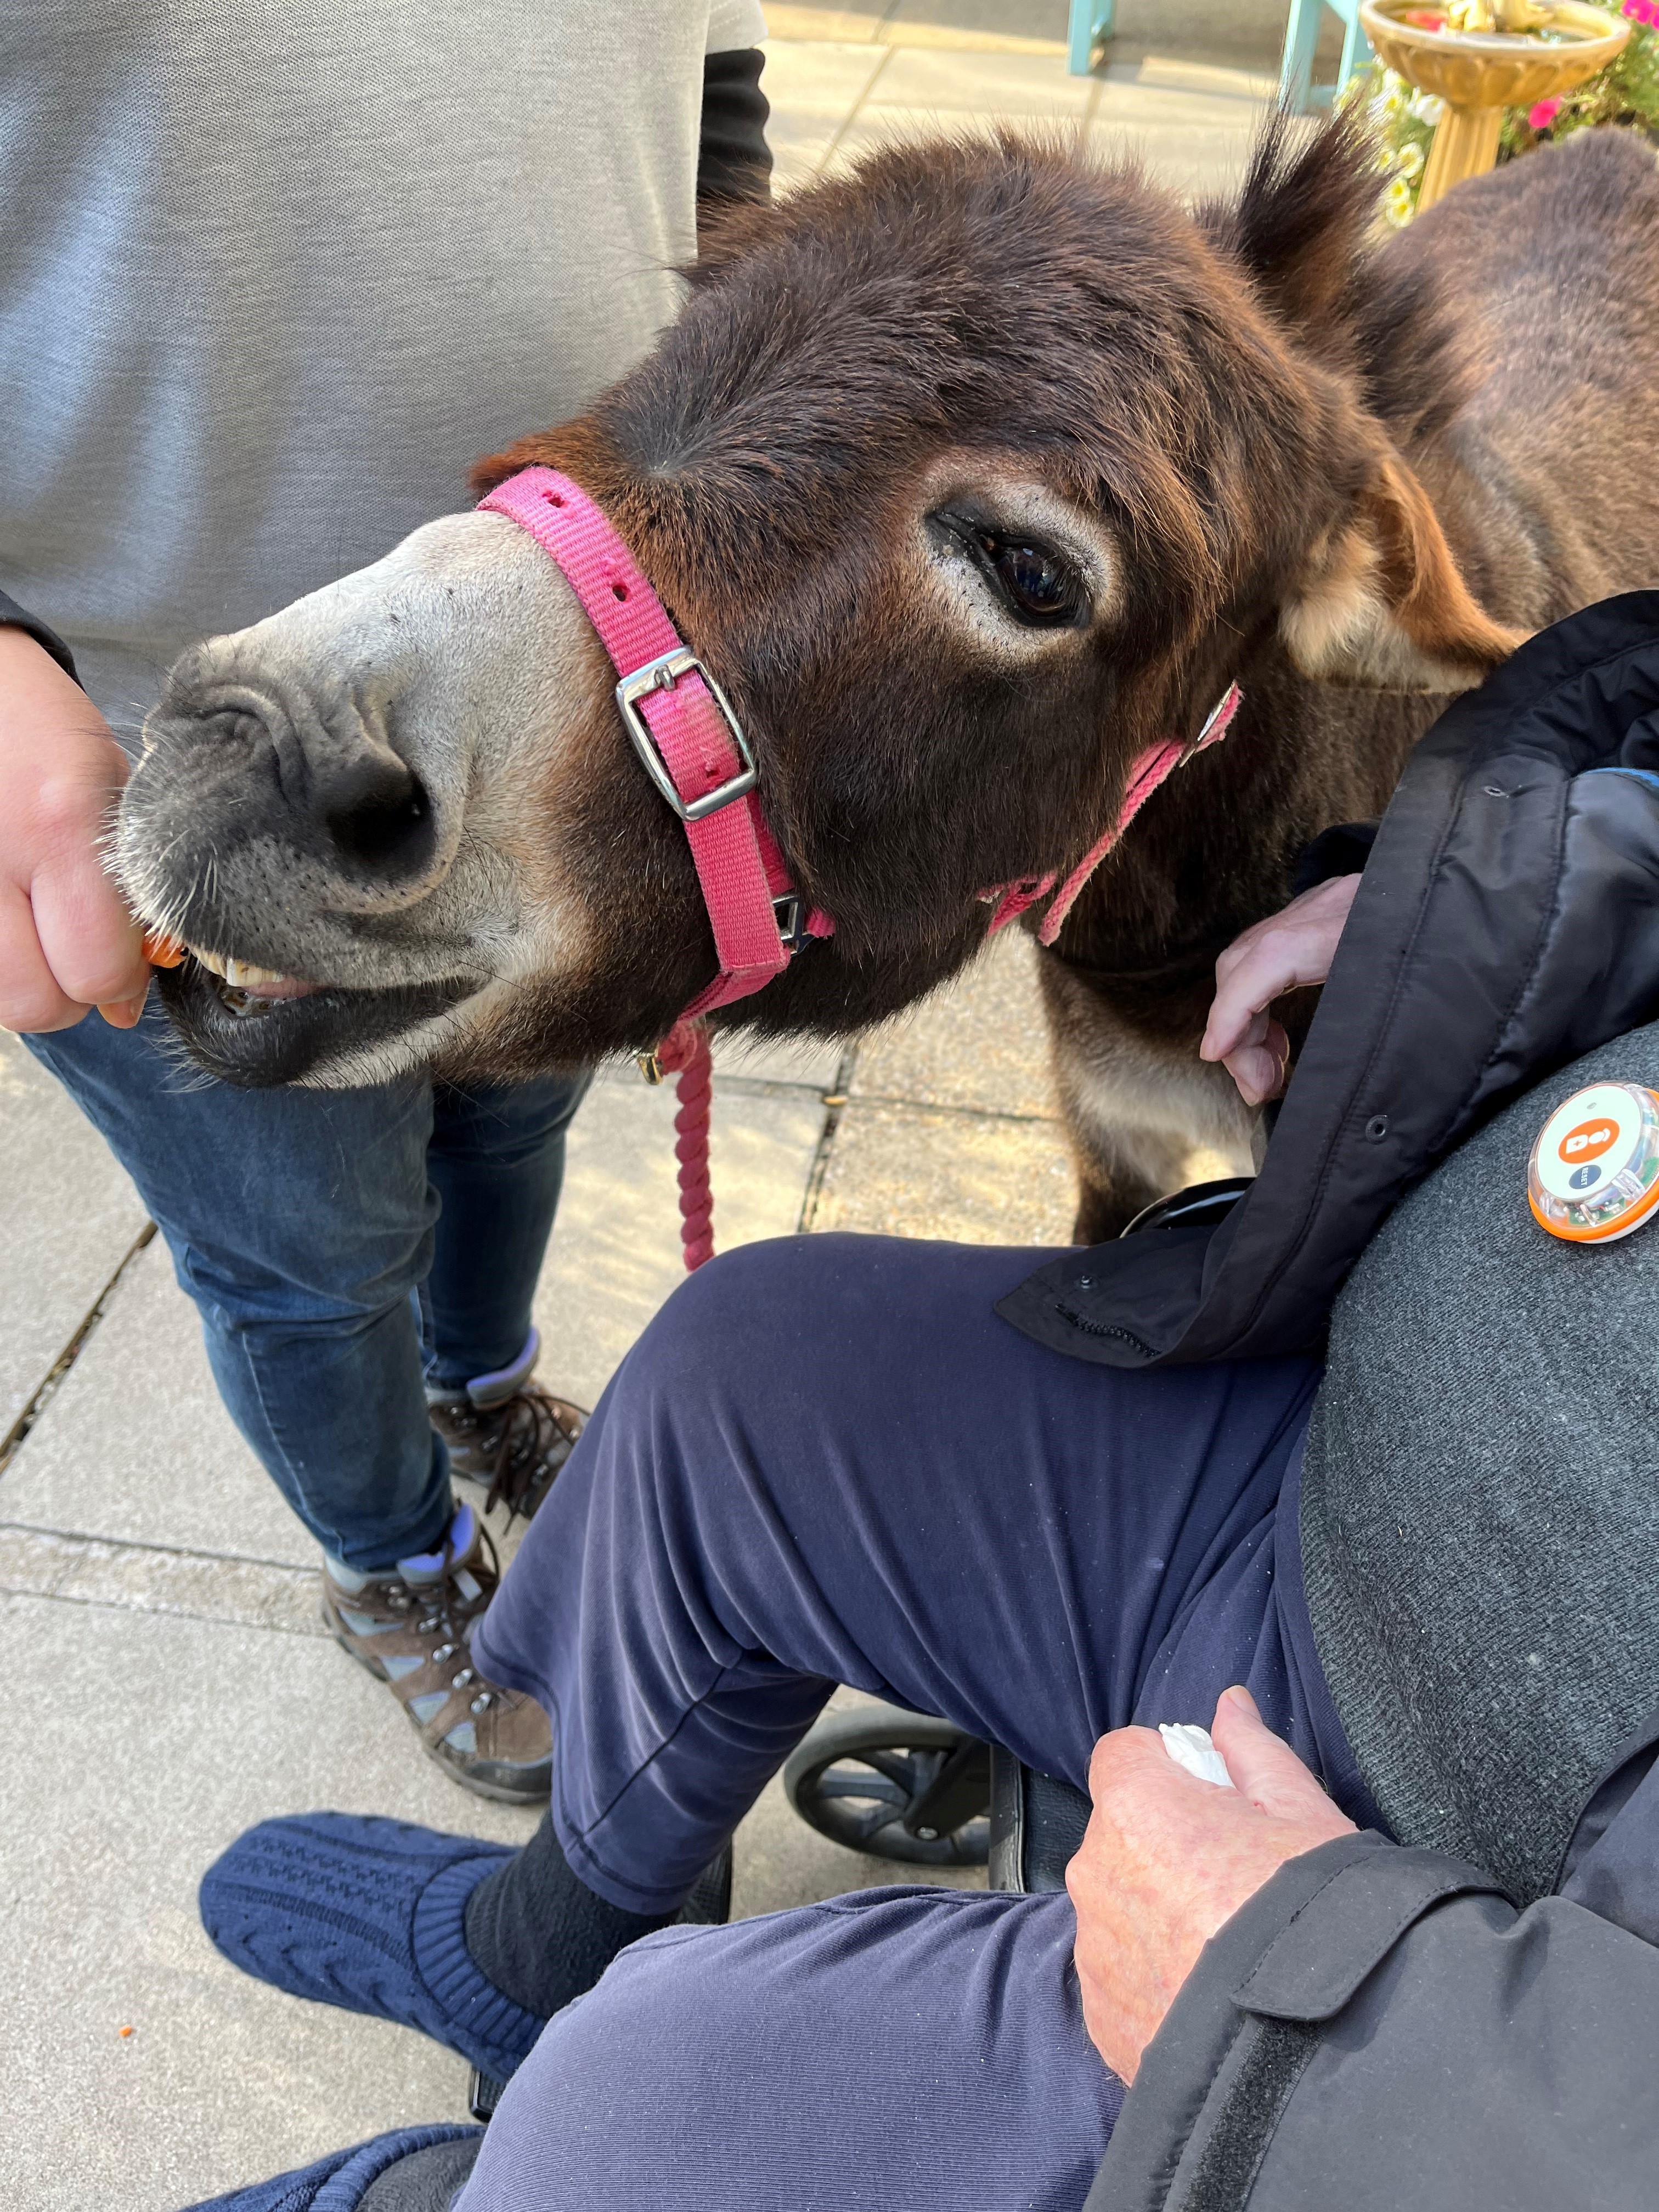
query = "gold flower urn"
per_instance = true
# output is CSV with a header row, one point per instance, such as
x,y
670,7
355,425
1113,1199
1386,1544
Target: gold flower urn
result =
x,y
1507,53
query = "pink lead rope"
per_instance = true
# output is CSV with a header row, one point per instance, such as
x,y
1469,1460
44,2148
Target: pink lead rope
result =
x,y
694,749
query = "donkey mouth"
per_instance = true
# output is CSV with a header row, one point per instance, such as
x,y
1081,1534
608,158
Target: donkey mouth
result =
x,y
254,1027
246,988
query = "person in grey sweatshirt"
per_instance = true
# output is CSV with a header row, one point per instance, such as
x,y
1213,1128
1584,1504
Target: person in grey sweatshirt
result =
x,y
271,276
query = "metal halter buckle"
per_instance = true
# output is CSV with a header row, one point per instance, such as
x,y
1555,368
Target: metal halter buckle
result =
x,y
1222,706
789,912
662,674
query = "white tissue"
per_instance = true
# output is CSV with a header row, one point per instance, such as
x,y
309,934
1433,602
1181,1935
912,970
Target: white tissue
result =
x,y
1190,1747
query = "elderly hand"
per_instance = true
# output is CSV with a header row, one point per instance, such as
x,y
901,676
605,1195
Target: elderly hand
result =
x,y
1288,949
67,941
1168,1858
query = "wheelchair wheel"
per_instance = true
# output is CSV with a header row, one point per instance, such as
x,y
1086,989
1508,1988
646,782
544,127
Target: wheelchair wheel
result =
x,y
896,1784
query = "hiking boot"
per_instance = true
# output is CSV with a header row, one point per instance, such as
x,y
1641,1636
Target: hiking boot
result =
x,y
411,1626
508,1431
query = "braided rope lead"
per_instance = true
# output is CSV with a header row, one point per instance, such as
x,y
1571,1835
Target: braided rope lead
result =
x,y
685,1055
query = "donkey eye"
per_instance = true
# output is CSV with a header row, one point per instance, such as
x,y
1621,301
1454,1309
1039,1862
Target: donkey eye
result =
x,y
1038,585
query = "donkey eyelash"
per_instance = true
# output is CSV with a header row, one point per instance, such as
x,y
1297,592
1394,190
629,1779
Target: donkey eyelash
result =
x,y
1035,582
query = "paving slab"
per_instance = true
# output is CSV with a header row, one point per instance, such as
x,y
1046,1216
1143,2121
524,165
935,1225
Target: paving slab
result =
x,y
832,25
67,1216
798,154
194,1730
91,1571
977,1179
1155,97
825,76
805,1063
1191,159
979,1043
1034,26
135,1445
814,89
875,128
950,80
616,1250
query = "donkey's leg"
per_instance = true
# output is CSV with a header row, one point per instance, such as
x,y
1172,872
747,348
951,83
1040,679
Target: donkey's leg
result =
x,y
1144,1115
1120,1170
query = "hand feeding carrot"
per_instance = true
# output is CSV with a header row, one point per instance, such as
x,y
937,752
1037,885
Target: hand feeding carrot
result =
x,y
160,951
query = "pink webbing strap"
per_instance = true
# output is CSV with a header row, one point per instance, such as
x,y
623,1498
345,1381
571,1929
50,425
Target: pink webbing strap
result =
x,y
738,865
1146,772
738,860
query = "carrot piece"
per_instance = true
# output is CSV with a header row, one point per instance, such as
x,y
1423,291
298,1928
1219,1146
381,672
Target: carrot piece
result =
x,y
162,951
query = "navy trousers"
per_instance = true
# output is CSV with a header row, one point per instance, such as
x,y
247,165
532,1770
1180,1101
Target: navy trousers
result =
x,y
828,1460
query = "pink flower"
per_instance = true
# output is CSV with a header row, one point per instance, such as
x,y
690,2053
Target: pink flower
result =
x,y
1545,113
1641,11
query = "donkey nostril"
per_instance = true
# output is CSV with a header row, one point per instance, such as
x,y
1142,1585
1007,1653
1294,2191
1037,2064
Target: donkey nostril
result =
x,y
380,816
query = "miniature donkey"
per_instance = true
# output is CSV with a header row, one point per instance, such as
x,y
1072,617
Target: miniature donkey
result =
x,y
969,477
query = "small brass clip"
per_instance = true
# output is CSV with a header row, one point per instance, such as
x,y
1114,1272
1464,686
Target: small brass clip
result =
x,y
649,1065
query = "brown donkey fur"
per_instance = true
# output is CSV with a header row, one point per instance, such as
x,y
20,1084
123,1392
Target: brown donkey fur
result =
x,y
1246,444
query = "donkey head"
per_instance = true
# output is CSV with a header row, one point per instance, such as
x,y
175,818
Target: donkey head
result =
x,y
968,477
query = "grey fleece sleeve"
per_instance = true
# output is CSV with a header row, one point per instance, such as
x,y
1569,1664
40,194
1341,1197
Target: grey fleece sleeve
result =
x,y
1378,2029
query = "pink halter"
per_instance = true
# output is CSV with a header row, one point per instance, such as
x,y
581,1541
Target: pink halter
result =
x,y
694,749
1146,772
685,732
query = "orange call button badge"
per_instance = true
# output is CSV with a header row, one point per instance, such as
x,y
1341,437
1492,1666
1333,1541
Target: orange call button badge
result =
x,y
1594,1174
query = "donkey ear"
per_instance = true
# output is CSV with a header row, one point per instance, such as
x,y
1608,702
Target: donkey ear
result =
x,y
1301,223
1382,603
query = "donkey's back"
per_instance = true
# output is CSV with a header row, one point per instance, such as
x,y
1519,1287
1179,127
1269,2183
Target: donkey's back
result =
x,y
1552,266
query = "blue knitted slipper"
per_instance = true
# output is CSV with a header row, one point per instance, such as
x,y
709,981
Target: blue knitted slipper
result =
x,y
366,1913
339,2184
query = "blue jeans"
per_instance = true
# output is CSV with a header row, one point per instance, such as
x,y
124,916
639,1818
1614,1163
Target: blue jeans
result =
x,y
344,1249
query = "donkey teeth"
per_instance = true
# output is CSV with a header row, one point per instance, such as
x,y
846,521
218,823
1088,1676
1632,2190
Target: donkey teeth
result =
x,y
240,974
243,975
